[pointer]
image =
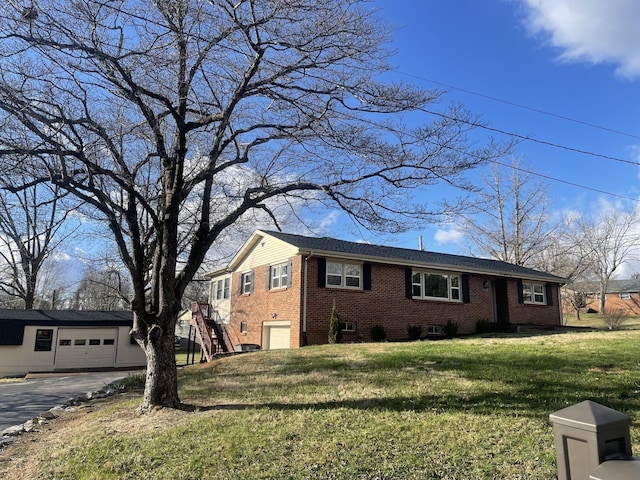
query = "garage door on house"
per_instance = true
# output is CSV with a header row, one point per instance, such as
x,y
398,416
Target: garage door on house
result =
x,y
86,347
276,335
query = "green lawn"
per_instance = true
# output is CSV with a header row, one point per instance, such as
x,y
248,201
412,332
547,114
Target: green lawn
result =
x,y
473,408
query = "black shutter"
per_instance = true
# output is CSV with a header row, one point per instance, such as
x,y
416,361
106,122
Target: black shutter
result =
x,y
267,282
289,274
240,287
466,297
408,286
520,292
549,293
322,272
366,276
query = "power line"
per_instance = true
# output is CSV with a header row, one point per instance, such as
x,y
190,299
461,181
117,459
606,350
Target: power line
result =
x,y
546,177
566,182
533,139
519,105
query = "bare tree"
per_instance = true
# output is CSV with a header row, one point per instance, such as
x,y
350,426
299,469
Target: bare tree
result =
x,y
173,119
102,287
610,240
31,222
510,220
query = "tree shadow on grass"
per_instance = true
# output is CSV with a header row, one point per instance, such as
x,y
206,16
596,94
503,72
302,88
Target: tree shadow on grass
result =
x,y
532,383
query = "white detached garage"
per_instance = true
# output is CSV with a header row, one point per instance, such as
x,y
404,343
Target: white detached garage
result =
x,y
56,340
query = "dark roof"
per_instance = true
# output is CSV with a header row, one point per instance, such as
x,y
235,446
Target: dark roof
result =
x,y
12,322
411,257
630,285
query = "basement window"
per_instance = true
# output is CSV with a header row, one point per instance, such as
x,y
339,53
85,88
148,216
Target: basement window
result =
x,y
44,338
348,326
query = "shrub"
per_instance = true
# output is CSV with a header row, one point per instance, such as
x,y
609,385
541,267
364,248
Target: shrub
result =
x,y
378,333
614,319
414,331
484,326
450,329
335,332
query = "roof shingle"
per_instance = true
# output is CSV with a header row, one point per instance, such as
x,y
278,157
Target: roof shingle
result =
x,y
411,257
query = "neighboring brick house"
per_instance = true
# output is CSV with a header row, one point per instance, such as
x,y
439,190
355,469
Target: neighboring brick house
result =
x,y
622,295
281,289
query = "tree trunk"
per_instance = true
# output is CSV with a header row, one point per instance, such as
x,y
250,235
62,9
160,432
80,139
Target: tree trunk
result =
x,y
161,386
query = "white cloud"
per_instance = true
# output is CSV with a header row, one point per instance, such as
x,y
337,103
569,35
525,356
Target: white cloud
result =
x,y
328,220
635,155
448,236
592,31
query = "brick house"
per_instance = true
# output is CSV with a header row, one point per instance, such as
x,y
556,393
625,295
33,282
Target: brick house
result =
x,y
279,289
621,295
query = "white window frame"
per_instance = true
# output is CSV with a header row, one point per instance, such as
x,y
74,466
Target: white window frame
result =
x,y
222,288
348,326
344,273
534,293
624,296
453,285
435,330
247,283
279,276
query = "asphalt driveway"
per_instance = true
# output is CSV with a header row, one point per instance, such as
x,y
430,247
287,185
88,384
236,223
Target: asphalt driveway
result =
x,y
22,401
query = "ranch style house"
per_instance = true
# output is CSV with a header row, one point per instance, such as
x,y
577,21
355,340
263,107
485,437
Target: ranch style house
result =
x,y
279,289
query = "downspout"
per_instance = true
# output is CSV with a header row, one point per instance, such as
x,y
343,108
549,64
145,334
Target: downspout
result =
x,y
559,290
304,302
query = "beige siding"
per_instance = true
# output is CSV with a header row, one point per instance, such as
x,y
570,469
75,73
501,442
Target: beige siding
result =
x,y
266,251
21,359
220,309
128,354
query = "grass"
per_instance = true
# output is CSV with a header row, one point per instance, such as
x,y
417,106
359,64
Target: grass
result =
x,y
474,408
594,320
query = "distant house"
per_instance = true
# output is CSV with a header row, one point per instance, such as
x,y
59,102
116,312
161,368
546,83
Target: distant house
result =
x,y
279,289
54,340
621,295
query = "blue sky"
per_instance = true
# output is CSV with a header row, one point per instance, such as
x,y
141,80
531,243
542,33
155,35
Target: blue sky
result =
x,y
578,59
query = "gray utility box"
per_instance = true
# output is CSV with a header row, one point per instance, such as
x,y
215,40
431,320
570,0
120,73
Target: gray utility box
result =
x,y
586,435
627,469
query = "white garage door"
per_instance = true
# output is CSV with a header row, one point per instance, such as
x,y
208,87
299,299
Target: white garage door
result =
x,y
86,347
278,336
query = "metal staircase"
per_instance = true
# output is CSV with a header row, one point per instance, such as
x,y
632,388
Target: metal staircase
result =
x,y
213,336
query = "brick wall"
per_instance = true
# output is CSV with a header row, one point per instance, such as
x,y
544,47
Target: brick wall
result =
x,y
531,314
261,305
385,304
630,306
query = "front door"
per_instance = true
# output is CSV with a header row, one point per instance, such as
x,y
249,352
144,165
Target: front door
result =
x,y
500,303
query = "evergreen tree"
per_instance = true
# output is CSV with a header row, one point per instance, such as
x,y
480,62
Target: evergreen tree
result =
x,y
335,332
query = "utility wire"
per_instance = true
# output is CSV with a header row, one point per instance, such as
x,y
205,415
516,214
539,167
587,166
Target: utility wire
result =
x,y
566,182
519,105
546,177
532,139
